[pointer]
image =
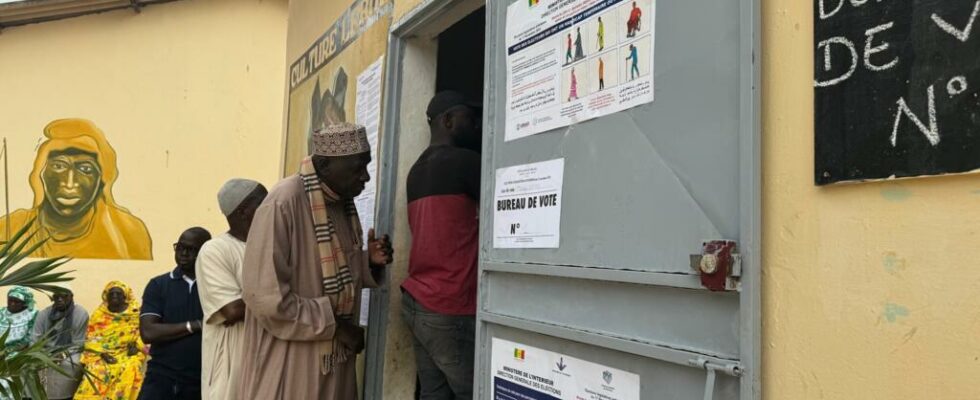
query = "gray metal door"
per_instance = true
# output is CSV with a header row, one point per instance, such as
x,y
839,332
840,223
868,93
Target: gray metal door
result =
x,y
643,190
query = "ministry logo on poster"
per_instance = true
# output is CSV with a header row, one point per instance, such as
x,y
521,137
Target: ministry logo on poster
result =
x,y
607,376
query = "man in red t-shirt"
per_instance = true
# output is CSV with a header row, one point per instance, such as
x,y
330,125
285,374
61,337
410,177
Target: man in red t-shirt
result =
x,y
439,295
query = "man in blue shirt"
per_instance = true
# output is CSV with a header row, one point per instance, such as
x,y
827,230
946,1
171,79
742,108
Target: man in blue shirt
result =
x,y
170,322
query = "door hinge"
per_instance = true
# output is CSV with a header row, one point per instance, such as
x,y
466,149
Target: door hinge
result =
x,y
719,265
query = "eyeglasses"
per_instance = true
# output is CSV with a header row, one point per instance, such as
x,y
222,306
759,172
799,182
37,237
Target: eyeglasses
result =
x,y
190,249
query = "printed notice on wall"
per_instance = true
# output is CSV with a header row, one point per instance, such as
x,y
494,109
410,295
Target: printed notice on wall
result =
x,y
368,113
528,205
573,60
526,373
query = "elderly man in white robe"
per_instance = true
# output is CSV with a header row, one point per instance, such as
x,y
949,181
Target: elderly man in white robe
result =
x,y
219,276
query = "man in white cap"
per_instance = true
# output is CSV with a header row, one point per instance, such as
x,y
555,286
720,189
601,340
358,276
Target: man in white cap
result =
x,y
63,324
219,279
305,265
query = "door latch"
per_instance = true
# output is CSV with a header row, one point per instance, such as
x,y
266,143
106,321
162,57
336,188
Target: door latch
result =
x,y
732,369
718,265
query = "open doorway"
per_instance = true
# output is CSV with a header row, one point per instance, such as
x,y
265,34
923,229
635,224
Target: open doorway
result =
x,y
459,67
460,56
438,46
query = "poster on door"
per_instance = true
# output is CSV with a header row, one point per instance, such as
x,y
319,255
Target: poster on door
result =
x,y
527,205
573,60
527,373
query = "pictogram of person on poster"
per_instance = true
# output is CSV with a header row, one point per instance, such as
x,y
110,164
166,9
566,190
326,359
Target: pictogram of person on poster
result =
x,y
573,90
633,23
635,67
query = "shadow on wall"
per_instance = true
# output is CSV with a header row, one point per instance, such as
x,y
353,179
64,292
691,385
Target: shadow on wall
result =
x,y
72,179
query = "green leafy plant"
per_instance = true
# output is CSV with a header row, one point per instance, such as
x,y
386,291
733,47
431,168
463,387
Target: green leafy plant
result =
x,y
20,367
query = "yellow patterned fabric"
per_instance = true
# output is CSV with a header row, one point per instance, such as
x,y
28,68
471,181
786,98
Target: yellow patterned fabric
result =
x,y
114,334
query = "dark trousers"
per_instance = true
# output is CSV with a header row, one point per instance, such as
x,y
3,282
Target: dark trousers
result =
x,y
159,387
444,346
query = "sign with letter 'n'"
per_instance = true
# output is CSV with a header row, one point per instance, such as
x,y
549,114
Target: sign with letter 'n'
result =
x,y
896,88
527,200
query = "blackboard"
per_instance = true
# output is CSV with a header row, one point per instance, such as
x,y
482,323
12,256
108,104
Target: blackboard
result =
x,y
896,88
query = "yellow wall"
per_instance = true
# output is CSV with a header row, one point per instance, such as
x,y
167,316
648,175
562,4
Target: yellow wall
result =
x,y
403,7
870,290
188,93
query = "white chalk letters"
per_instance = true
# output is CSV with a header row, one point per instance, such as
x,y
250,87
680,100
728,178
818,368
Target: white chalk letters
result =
x,y
931,132
876,58
962,35
870,51
827,64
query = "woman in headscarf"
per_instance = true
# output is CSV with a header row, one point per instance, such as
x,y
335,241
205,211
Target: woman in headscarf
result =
x,y
114,351
18,317
74,208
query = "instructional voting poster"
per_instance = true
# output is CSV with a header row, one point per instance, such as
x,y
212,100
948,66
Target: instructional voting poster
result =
x,y
573,60
526,373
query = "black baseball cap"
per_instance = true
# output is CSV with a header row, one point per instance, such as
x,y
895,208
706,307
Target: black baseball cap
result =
x,y
447,99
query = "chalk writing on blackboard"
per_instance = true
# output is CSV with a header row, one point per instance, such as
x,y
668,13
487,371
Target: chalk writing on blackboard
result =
x,y
895,89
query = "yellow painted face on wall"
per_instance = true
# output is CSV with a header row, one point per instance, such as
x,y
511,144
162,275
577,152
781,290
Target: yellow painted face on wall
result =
x,y
72,181
74,208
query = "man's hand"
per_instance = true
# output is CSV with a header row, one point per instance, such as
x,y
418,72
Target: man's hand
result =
x,y
132,349
380,250
109,359
350,336
233,312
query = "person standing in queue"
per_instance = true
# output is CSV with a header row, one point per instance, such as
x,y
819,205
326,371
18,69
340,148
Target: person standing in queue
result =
x,y
439,295
305,265
219,276
170,322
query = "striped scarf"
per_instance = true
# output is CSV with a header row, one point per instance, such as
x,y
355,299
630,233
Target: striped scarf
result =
x,y
338,283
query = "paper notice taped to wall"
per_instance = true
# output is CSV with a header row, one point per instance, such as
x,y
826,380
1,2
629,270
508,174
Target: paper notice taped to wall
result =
x,y
527,205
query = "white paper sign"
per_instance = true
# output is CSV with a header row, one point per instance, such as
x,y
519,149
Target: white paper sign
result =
x,y
573,60
368,113
527,373
527,205
367,101
365,312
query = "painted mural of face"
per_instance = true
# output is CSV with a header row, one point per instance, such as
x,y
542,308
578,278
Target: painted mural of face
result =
x,y
72,181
